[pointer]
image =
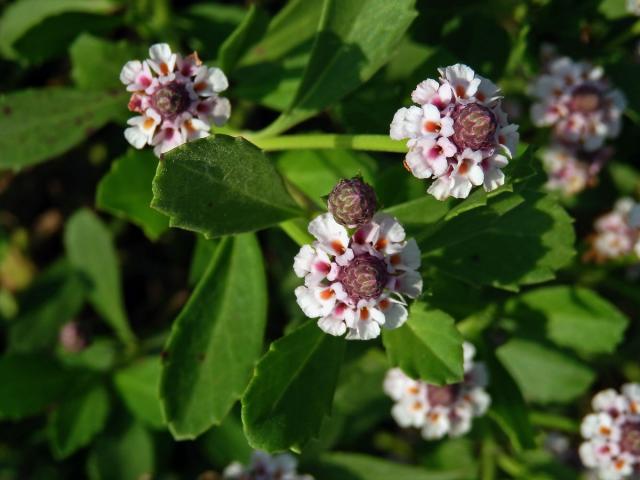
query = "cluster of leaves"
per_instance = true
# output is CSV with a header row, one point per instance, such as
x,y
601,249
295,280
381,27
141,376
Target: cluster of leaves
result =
x,y
232,364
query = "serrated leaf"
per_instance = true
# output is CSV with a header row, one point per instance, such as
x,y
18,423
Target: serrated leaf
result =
x,y
216,339
138,385
530,229
55,297
91,251
78,418
125,191
575,317
232,188
96,63
356,466
544,374
292,389
428,346
39,124
126,452
250,30
355,39
29,383
22,15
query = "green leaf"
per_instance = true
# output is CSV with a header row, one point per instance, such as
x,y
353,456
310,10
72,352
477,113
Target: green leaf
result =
x,y
90,249
79,418
428,346
96,63
508,408
252,28
614,9
216,339
126,192
138,385
315,172
226,443
125,453
29,383
544,374
36,125
20,16
575,317
203,251
356,466
355,39
53,299
292,389
233,188
530,229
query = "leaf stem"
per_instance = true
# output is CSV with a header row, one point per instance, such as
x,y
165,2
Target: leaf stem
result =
x,y
374,143
554,422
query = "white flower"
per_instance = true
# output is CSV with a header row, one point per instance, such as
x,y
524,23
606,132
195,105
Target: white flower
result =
x,y
633,7
356,284
612,434
439,410
616,234
176,98
458,113
578,102
265,467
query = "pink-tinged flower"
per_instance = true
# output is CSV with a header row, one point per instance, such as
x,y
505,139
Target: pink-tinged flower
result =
x,y
356,284
439,410
572,170
265,467
617,233
578,102
612,434
73,337
461,111
176,98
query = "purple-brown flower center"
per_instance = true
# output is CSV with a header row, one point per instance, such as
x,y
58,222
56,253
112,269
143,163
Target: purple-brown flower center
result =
x,y
630,438
171,99
474,127
352,202
586,98
364,278
442,396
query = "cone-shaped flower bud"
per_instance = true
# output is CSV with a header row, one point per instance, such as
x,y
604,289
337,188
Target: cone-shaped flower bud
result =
x,y
352,202
474,127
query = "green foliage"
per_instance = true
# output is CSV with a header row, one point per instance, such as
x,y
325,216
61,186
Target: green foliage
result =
x,y
78,418
215,340
38,124
54,299
575,317
126,192
427,347
91,251
292,389
544,374
355,38
29,383
226,175
253,26
138,385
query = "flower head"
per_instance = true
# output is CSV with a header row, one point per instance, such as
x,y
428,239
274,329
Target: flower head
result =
x,y
265,467
439,410
459,135
578,102
73,337
617,233
572,170
612,434
356,283
352,202
176,99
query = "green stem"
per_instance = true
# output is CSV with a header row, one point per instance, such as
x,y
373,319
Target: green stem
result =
x,y
374,143
488,461
296,229
554,422
511,466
